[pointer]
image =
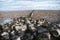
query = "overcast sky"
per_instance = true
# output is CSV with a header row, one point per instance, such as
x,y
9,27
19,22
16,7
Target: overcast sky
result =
x,y
12,5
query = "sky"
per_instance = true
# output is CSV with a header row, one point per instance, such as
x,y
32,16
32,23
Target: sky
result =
x,y
13,5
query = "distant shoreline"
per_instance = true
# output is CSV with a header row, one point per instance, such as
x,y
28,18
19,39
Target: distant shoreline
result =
x,y
50,15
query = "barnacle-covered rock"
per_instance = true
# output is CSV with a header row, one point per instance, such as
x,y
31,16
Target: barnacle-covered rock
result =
x,y
27,28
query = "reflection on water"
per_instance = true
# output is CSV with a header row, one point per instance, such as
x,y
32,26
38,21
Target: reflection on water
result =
x,y
6,21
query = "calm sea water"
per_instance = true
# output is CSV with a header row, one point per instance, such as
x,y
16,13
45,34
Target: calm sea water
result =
x,y
5,21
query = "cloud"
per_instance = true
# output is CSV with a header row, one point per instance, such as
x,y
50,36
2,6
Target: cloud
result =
x,y
9,5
